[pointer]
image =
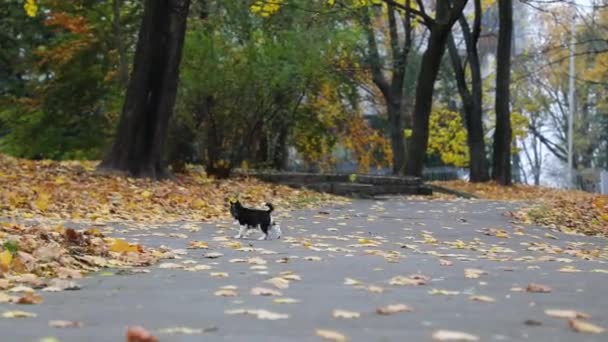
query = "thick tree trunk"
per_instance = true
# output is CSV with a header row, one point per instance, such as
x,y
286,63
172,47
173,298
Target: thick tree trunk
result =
x,y
138,148
501,161
429,68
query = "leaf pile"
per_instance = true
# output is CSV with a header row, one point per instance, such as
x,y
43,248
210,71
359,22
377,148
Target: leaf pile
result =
x,y
35,254
72,190
568,211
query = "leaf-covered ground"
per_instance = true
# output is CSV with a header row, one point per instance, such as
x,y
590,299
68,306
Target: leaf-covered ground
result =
x,y
72,191
568,211
37,252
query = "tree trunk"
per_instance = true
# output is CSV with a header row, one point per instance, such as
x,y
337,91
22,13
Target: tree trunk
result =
x,y
429,68
472,99
501,161
138,148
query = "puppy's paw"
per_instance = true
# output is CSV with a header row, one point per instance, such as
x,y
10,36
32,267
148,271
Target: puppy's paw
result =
x,y
263,237
238,236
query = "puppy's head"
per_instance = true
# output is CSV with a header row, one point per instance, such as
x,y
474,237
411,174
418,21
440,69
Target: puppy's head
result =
x,y
234,205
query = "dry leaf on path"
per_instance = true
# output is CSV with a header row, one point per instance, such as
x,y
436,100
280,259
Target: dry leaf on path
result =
x,y
286,301
280,283
585,327
393,309
64,324
18,314
443,292
331,335
345,314
485,299
258,313
558,313
456,336
538,288
226,293
262,291
139,334
30,298
473,273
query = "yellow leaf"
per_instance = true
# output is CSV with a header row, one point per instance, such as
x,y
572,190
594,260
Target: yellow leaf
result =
x,y
42,202
5,259
146,194
585,327
331,335
122,246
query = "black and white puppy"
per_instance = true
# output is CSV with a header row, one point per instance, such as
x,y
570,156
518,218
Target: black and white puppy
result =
x,y
249,218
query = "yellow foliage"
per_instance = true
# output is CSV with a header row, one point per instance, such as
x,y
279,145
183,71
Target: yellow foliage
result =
x,y
448,137
31,8
266,8
5,260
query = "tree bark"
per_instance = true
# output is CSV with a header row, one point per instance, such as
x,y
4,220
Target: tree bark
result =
x,y
138,148
472,99
431,61
501,160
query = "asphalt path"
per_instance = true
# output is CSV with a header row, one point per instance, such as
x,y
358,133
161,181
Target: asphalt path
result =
x,y
345,258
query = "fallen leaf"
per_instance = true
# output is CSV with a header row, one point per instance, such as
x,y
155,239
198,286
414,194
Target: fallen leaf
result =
x,y
278,282
139,334
473,273
331,335
226,293
407,281
443,292
392,309
184,331
448,335
5,260
18,314
64,324
345,314
213,255
122,246
286,301
219,274
585,327
538,288
350,281
260,314
444,262
198,245
30,298
170,265
262,291
558,313
312,258
485,299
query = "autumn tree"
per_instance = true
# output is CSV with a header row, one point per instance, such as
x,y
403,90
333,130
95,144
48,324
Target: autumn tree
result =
x,y
471,92
391,87
439,26
138,148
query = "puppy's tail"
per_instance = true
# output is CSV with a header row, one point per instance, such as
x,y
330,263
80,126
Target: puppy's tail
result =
x,y
270,207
